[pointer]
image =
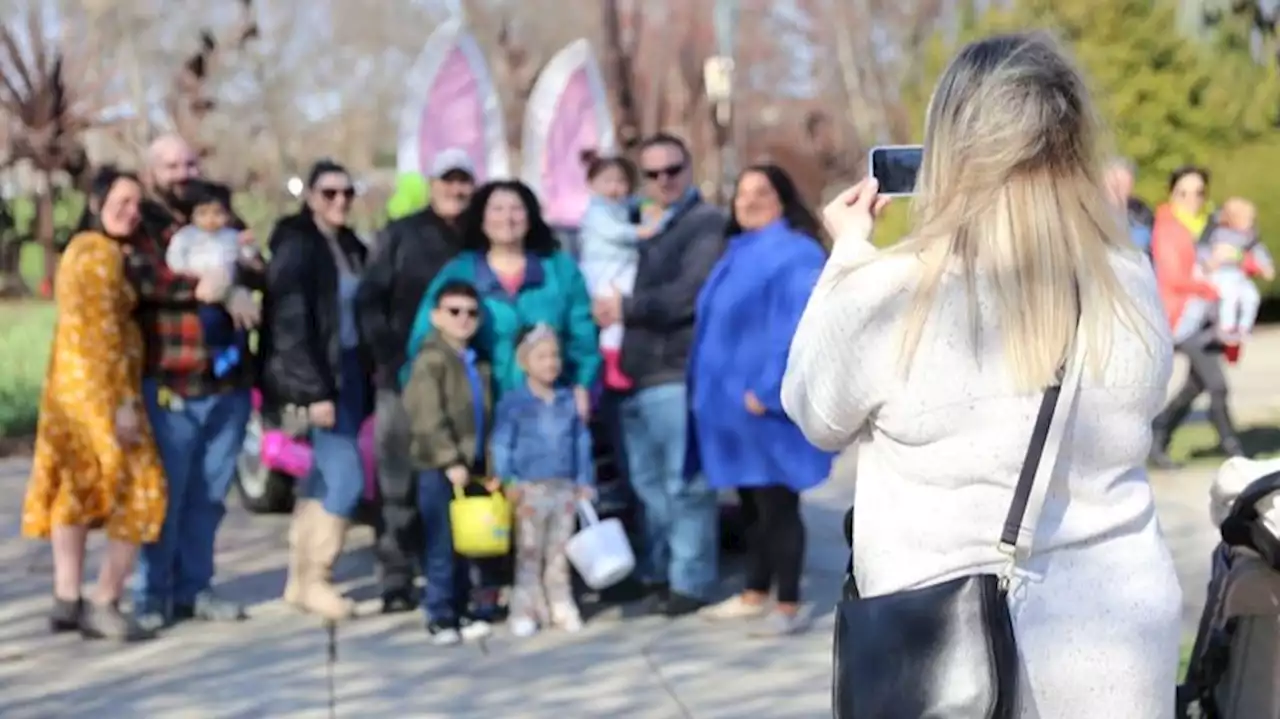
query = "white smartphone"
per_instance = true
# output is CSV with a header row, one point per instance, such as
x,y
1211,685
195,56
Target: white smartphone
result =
x,y
896,168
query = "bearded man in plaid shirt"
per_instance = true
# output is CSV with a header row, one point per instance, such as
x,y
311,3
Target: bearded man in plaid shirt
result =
x,y
198,419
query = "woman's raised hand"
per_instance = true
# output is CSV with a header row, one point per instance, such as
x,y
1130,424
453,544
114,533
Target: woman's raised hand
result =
x,y
851,216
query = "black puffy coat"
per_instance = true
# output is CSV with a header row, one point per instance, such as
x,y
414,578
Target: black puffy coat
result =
x,y
299,351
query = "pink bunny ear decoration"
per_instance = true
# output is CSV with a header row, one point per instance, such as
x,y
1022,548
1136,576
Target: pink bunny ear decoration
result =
x,y
452,104
567,114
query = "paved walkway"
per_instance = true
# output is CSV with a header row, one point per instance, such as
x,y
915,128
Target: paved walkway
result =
x,y
275,664
639,667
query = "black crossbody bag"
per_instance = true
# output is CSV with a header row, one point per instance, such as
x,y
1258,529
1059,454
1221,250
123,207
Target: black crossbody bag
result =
x,y
911,654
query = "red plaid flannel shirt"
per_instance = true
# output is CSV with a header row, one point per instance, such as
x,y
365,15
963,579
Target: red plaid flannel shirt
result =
x,y
177,356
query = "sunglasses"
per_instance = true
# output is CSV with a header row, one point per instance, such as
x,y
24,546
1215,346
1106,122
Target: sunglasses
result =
x,y
331,193
668,171
468,312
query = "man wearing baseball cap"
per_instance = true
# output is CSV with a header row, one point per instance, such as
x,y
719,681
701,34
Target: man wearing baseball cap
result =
x,y
409,253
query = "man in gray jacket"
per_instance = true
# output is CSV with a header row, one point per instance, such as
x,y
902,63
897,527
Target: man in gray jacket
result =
x,y
679,559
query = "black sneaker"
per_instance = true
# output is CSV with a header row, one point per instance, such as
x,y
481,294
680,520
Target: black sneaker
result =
x,y
679,605
1160,459
65,614
444,634
398,602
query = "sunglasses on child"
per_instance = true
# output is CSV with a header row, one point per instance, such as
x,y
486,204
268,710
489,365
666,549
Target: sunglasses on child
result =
x,y
331,193
668,171
468,312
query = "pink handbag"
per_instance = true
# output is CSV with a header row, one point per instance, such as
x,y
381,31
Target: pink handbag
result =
x,y
283,453
367,455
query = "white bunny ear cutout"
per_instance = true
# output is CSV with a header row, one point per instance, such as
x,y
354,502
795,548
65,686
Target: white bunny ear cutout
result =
x,y
452,103
567,113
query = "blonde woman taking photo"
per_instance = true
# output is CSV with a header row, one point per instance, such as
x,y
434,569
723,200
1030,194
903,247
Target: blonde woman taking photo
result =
x,y
933,356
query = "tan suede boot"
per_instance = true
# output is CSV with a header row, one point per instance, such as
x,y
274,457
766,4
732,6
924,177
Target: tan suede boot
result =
x,y
299,535
324,536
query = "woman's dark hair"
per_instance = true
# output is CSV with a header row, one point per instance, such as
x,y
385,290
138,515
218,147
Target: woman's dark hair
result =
x,y
794,211
318,170
539,240
625,166
1176,176
103,180
322,168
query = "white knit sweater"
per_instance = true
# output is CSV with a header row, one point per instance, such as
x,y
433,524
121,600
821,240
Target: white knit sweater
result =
x,y
939,453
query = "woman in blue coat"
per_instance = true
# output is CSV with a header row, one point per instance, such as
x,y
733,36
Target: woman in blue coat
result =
x,y
747,312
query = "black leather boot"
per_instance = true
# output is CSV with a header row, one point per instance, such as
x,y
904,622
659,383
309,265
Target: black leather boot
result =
x,y
1220,418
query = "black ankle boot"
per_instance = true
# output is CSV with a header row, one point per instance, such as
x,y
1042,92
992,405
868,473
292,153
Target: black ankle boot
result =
x,y
65,615
1159,457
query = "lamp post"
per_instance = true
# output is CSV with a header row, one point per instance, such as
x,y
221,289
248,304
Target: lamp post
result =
x,y
718,74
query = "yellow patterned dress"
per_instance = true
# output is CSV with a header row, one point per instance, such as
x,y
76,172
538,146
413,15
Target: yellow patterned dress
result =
x,y
81,476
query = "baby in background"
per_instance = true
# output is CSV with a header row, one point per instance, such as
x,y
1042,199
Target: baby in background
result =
x,y
541,450
610,246
209,244
1229,243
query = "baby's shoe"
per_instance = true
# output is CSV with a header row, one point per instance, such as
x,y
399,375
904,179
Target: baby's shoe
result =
x,y
523,627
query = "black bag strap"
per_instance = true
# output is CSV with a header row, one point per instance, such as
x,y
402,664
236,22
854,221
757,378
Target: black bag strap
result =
x,y
1026,477
1031,463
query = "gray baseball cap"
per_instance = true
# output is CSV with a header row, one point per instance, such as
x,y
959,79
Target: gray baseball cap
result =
x,y
453,159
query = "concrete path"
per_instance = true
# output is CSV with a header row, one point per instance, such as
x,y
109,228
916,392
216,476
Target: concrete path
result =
x,y
276,665
622,665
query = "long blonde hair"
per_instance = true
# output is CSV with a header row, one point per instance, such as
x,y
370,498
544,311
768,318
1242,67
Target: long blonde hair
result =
x,y
1010,189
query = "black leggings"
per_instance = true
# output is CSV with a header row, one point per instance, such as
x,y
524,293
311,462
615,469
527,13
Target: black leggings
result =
x,y
1206,374
775,541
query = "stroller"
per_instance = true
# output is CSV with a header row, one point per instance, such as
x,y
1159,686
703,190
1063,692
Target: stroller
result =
x,y
1236,657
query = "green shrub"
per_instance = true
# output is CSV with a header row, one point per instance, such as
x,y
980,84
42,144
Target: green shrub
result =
x,y
26,336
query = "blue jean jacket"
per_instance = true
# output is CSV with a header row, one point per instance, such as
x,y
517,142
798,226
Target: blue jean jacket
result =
x,y
534,439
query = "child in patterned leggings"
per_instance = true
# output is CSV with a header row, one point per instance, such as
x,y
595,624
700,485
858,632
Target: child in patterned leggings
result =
x,y
542,451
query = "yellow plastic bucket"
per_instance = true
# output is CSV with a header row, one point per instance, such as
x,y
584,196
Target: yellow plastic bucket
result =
x,y
481,524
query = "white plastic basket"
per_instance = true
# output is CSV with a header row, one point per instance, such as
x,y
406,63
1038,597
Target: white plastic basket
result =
x,y
600,551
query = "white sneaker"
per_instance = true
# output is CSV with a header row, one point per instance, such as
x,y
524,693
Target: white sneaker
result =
x,y
523,627
573,624
734,607
445,636
778,624
476,629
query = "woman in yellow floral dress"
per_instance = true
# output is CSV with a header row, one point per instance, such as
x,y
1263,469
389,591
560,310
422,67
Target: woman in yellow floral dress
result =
x,y
96,464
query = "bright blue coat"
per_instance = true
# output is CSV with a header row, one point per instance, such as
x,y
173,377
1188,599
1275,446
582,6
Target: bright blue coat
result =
x,y
553,293
747,313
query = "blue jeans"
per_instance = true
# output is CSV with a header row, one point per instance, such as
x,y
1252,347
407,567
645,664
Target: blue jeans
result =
x,y
198,443
681,520
337,474
448,575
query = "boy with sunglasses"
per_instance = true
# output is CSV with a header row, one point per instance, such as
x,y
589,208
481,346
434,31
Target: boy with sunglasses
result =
x,y
449,404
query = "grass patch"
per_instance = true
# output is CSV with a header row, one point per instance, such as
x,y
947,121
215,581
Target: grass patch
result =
x,y
26,336
30,266
1196,442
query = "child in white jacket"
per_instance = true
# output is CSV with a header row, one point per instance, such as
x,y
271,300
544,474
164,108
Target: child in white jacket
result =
x,y
610,247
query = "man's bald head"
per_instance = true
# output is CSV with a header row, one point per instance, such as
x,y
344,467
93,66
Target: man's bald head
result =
x,y
170,163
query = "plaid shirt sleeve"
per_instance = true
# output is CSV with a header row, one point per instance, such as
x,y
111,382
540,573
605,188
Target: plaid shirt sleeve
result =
x,y
154,281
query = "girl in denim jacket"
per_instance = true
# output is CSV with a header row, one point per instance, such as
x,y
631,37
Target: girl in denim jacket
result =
x,y
542,451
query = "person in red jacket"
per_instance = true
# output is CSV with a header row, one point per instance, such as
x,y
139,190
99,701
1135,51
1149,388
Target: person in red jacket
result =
x,y
1179,224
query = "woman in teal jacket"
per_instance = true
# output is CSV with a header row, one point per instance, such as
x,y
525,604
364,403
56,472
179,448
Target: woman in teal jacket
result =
x,y
514,261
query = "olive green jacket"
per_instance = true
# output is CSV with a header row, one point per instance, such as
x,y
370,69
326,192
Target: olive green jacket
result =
x,y
441,409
